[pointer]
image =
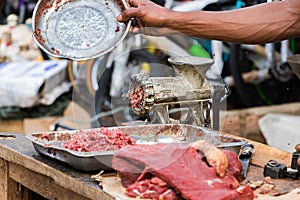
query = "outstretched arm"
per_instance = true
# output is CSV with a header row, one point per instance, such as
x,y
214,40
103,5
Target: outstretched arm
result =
x,y
267,22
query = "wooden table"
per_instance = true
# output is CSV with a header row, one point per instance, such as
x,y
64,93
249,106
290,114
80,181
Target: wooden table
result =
x,y
23,170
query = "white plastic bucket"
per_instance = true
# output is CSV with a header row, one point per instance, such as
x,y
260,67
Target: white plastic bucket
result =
x,y
281,131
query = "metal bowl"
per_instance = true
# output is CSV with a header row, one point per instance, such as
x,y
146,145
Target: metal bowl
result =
x,y
78,29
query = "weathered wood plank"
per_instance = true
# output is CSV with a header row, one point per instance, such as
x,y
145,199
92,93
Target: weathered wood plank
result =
x,y
20,151
4,179
16,191
9,189
43,185
263,153
25,193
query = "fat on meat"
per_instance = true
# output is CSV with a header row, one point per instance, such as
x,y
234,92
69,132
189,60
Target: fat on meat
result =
x,y
183,169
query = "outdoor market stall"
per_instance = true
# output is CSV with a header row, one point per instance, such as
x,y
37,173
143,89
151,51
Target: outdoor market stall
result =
x,y
23,169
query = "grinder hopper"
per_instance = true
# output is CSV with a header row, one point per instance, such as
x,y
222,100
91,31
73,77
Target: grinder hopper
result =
x,y
192,68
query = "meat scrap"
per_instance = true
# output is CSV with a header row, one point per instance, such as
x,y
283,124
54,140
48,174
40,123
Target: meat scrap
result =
x,y
177,171
152,188
102,139
263,187
136,98
214,156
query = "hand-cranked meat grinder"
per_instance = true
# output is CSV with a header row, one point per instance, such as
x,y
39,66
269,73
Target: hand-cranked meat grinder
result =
x,y
188,89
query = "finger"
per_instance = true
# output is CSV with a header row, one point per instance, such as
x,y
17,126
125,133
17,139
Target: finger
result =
x,y
127,14
131,29
133,3
136,30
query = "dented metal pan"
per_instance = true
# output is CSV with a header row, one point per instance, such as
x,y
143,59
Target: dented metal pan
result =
x,y
78,29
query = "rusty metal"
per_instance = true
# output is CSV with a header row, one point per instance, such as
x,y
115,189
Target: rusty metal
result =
x,y
189,90
78,29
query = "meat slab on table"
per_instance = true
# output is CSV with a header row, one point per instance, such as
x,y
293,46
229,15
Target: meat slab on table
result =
x,y
177,171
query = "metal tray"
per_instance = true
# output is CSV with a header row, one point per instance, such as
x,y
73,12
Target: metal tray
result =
x,y
78,29
53,146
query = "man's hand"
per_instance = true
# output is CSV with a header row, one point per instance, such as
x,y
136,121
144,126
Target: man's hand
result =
x,y
148,17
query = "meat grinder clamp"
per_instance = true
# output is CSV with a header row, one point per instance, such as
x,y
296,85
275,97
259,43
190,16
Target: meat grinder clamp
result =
x,y
277,170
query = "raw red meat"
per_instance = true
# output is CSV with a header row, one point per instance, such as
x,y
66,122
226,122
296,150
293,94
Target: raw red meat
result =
x,y
182,168
235,165
136,98
152,188
103,139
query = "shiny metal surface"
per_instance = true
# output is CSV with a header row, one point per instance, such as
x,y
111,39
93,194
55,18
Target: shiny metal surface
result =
x,y
78,29
146,134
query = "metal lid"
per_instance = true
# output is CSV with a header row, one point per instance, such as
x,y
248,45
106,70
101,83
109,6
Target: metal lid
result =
x,y
78,29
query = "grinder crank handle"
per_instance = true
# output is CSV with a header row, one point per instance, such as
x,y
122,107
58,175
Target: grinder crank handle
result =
x,y
245,157
247,150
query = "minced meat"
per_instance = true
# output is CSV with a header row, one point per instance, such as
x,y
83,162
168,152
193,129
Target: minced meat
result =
x,y
102,139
